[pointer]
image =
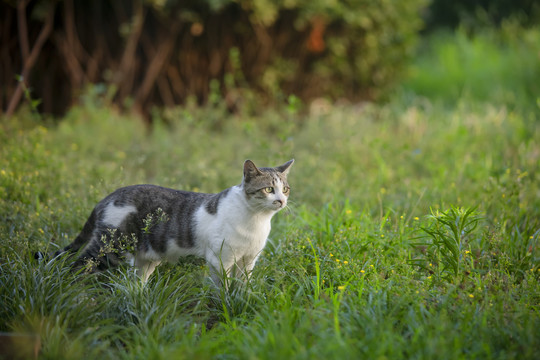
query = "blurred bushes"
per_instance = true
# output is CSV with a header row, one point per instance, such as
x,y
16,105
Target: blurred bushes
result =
x,y
250,52
499,66
354,48
487,51
474,13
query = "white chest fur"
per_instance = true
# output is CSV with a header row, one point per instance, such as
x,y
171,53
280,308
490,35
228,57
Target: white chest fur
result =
x,y
236,234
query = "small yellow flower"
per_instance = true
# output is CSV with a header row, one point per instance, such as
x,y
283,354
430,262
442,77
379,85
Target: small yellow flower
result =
x,y
337,260
429,277
345,262
382,235
362,271
348,211
430,264
41,231
341,288
401,217
471,296
416,218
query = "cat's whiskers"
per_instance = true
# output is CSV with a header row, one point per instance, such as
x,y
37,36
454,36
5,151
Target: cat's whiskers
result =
x,y
288,209
291,206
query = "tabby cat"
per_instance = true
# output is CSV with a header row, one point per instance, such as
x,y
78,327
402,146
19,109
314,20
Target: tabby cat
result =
x,y
148,224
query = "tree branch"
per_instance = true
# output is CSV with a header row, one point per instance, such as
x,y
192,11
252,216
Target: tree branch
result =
x,y
156,66
30,62
127,64
23,30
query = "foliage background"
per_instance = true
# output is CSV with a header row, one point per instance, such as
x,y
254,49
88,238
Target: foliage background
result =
x,y
156,53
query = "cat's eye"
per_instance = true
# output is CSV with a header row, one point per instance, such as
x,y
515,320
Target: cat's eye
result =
x,y
268,190
286,189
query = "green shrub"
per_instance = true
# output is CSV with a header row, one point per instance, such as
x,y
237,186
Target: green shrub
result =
x,y
248,52
366,44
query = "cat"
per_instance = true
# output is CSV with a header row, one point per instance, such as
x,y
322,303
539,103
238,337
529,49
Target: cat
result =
x,y
148,224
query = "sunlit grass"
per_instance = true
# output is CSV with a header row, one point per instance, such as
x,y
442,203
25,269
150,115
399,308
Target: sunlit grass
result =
x,y
501,67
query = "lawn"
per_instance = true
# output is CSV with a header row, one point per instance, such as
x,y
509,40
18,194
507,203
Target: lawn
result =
x,y
412,232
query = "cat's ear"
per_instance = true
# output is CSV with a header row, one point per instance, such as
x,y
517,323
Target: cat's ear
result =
x,y
284,169
250,170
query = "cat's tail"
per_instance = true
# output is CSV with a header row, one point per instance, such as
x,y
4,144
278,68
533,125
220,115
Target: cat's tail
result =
x,y
79,242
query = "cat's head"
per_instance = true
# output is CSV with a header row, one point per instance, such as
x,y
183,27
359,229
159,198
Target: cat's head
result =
x,y
266,189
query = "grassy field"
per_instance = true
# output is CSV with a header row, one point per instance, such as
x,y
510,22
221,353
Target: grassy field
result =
x,y
412,232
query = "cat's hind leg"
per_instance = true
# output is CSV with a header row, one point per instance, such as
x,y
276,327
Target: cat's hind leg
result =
x,y
145,267
84,238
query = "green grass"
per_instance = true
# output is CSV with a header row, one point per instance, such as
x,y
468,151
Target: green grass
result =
x,y
412,230
361,265
501,67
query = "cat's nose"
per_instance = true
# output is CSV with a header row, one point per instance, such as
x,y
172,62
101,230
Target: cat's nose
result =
x,y
278,202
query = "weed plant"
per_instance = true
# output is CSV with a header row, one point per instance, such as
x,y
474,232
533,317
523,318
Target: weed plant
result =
x,y
447,242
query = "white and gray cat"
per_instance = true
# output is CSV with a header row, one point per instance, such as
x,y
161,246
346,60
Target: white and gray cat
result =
x,y
147,224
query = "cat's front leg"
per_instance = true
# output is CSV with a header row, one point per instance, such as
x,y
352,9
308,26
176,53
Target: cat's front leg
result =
x,y
220,269
246,265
